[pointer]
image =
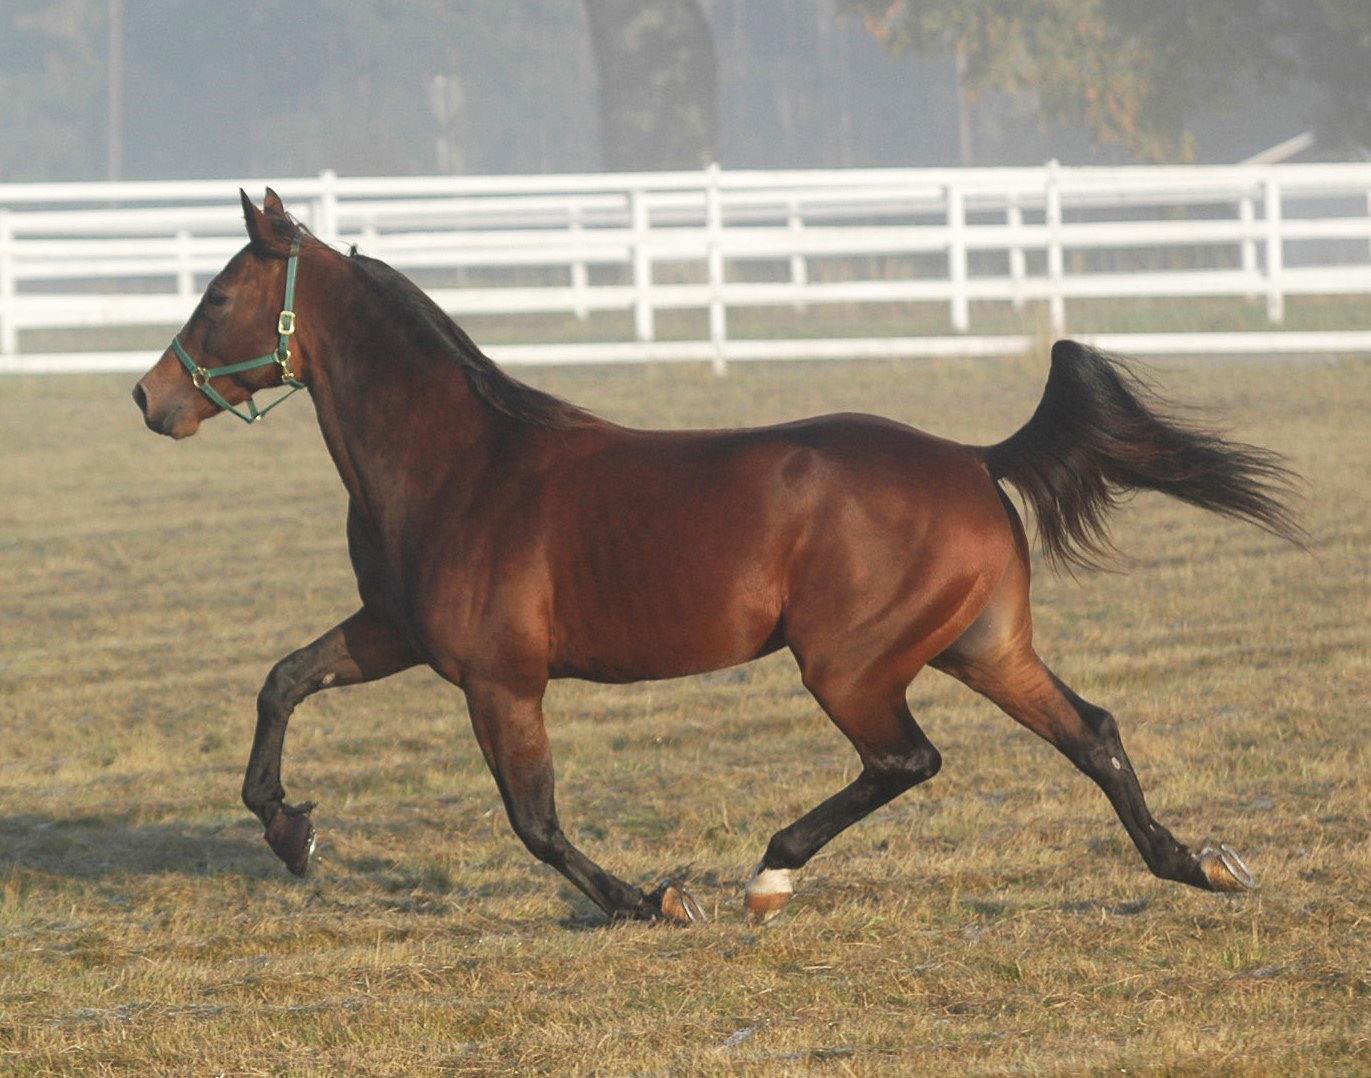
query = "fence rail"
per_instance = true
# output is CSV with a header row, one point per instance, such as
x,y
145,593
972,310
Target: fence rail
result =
x,y
77,256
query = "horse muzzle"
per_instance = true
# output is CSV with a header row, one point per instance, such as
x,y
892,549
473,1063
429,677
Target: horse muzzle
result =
x,y
173,415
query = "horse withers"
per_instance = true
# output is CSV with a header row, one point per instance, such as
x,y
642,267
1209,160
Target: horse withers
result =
x,y
504,537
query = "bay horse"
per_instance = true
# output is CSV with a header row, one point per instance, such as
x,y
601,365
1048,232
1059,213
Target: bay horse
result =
x,y
504,537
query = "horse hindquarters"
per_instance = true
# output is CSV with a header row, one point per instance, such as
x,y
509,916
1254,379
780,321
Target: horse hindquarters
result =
x,y
920,579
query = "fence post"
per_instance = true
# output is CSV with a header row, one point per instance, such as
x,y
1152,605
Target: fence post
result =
x,y
9,331
642,267
1247,214
185,272
799,265
1368,214
328,206
579,278
956,258
368,236
1056,302
1013,217
1275,255
714,229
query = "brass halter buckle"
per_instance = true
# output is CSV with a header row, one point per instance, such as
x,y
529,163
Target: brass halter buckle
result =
x,y
285,327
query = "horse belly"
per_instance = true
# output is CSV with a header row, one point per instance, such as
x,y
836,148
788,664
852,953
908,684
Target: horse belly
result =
x,y
653,604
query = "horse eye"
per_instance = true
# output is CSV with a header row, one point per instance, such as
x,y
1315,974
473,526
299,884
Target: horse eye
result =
x,y
215,298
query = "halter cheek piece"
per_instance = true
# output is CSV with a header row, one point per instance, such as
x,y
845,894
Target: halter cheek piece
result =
x,y
285,329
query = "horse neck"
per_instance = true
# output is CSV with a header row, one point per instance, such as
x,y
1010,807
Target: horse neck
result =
x,y
397,411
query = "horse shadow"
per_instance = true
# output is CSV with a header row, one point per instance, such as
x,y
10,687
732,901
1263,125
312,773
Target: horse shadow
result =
x,y
91,846
117,848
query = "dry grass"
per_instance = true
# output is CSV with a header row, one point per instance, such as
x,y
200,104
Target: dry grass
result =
x,y
995,920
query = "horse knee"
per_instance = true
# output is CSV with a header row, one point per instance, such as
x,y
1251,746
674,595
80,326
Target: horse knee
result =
x,y
288,683
274,695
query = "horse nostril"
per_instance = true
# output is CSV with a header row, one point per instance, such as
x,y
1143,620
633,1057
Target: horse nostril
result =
x,y
140,398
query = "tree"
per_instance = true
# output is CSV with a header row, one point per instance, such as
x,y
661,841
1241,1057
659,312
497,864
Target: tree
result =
x,y
52,85
283,87
1333,42
657,83
1139,73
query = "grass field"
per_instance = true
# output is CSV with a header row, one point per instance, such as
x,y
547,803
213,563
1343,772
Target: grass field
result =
x,y
994,920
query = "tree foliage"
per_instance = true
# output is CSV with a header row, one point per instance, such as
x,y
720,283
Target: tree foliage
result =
x,y
1138,74
52,88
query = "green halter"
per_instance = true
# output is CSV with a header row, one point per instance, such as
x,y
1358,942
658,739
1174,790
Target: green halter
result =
x,y
285,329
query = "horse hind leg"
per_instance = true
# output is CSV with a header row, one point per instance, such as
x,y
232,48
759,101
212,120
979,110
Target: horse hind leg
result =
x,y
1010,674
896,755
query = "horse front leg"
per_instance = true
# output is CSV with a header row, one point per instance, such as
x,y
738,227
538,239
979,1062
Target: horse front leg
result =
x,y
510,730
360,649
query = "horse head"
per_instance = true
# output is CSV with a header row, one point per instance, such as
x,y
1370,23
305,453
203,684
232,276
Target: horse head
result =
x,y
239,339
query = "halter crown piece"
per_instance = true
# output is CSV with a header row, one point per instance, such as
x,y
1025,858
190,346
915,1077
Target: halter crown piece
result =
x,y
285,329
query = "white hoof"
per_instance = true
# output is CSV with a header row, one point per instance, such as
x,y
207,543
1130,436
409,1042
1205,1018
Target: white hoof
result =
x,y
768,892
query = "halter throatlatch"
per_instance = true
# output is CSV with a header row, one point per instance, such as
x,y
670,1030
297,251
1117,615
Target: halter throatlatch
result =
x,y
285,329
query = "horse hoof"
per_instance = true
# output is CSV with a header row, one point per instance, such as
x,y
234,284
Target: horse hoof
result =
x,y
1224,869
291,837
768,892
678,905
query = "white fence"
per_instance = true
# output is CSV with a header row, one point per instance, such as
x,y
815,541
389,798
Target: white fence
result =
x,y
85,257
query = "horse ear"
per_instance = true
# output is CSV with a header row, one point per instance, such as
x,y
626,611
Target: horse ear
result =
x,y
265,239
273,205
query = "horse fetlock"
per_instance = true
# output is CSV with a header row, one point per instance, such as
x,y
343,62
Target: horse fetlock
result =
x,y
263,804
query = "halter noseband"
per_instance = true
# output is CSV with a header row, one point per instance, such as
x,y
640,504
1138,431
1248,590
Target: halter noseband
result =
x,y
285,329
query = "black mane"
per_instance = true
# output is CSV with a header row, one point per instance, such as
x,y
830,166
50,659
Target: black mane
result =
x,y
503,393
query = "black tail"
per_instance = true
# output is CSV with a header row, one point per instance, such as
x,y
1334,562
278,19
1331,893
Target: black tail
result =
x,y
1099,432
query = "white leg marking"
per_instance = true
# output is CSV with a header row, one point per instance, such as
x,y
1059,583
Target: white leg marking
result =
x,y
768,892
